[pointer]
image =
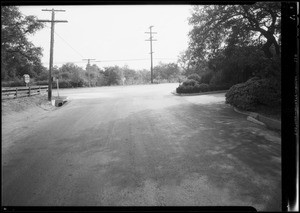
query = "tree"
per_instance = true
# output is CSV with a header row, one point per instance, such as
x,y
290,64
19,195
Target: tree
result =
x,y
213,24
94,74
130,75
185,62
18,55
169,72
144,76
113,75
72,73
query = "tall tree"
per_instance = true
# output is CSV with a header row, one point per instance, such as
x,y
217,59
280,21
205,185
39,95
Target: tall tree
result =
x,y
166,71
130,75
18,55
113,75
72,73
213,24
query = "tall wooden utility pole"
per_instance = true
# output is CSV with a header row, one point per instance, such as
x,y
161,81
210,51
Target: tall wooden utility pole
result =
x,y
53,21
88,68
151,50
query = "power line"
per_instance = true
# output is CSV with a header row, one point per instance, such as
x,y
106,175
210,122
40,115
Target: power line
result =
x,y
69,44
140,59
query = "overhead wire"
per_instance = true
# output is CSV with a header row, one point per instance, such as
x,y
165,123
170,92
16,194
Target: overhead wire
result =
x,y
141,59
113,60
66,42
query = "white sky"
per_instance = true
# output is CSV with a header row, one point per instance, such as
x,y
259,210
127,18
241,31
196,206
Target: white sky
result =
x,y
113,33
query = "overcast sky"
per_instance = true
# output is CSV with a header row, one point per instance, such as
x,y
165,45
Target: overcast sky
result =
x,y
113,33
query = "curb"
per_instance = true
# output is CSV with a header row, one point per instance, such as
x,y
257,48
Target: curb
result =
x,y
200,93
260,119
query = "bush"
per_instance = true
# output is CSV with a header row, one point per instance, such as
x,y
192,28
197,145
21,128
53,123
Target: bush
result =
x,y
269,93
15,83
195,77
44,82
206,77
254,93
62,84
203,87
187,89
191,86
217,78
190,82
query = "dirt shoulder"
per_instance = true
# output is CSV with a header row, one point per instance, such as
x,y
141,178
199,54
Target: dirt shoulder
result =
x,y
19,116
19,105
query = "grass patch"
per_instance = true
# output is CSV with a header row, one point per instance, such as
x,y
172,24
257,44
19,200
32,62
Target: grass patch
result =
x,y
24,103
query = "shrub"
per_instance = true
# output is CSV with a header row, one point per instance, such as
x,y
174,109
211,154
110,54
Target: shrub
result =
x,y
44,82
217,78
203,87
63,84
190,82
252,93
195,77
269,93
187,89
205,78
15,83
253,79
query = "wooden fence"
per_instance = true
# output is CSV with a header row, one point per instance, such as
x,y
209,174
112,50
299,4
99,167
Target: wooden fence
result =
x,y
23,91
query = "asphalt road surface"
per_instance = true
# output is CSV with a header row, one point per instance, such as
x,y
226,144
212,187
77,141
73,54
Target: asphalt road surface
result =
x,y
142,146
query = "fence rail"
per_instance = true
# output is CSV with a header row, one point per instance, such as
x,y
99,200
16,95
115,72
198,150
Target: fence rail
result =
x,y
23,91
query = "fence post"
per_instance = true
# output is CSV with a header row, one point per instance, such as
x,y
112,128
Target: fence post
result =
x,y
16,92
29,90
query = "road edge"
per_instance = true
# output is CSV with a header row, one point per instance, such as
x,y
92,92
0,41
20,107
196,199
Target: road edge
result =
x,y
200,93
251,116
260,119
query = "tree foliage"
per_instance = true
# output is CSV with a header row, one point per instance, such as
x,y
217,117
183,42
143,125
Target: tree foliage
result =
x,y
113,75
230,44
18,55
166,71
239,24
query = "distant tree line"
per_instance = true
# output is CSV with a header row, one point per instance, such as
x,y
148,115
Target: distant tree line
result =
x,y
71,75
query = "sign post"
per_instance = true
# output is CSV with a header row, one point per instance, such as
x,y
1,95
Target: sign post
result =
x,y
57,87
26,79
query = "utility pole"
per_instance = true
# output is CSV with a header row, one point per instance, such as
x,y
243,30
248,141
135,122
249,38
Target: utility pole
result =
x,y
53,21
88,68
151,39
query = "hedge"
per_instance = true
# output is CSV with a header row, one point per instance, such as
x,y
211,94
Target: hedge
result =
x,y
16,83
254,93
195,77
190,88
190,82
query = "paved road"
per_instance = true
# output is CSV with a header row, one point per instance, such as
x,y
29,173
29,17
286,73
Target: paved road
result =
x,y
142,146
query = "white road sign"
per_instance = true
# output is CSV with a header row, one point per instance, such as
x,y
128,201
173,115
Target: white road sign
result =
x,y
26,78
